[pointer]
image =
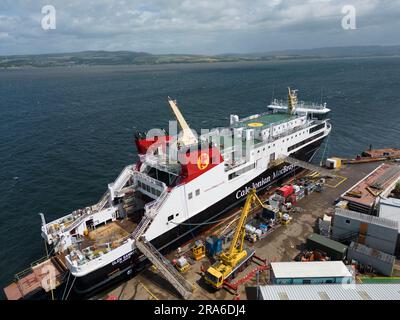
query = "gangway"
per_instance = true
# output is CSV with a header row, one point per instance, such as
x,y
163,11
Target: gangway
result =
x,y
165,267
309,166
122,179
151,252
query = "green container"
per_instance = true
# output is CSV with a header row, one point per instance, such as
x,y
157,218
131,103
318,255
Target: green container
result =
x,y
335,250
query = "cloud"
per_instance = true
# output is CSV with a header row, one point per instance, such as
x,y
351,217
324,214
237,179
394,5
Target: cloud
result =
x,y
192,26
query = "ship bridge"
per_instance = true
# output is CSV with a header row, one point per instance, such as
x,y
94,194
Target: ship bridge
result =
x,y
312,110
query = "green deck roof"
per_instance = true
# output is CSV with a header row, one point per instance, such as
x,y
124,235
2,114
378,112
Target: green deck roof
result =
x,y
265,120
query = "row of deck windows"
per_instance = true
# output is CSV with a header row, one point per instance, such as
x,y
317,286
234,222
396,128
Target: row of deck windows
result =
x,y
149,189
297,145
241,171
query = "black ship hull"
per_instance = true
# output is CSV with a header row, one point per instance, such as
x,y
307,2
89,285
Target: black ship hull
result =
x,y
133,261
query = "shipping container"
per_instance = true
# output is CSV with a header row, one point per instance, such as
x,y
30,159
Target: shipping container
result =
x,y
310,272
333,249
213,246
285,191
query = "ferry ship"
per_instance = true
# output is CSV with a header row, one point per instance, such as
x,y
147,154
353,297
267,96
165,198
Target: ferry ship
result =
x,y
180,185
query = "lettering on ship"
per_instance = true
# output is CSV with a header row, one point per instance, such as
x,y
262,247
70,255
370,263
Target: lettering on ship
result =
x,y
264,181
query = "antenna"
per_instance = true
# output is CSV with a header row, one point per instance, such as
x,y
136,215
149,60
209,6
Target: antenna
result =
x,y
42,218
292,100
273,91
322,89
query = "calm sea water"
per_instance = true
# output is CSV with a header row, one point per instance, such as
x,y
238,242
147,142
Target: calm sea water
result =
x,y
66,133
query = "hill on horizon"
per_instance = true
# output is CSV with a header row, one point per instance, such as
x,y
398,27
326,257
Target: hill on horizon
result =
x,y
101,57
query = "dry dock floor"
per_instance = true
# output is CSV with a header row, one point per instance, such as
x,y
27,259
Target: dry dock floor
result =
x,y
281,245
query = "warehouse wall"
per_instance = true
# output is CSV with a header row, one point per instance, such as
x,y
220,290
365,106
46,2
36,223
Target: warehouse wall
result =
x,y
312,280
379,236
383,267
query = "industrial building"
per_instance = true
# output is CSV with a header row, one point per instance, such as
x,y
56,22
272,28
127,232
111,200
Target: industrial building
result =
x,y
389,208
310,272
374,232
376,291
363,197
381,262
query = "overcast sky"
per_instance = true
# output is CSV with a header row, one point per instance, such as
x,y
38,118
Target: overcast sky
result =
x,y
194,26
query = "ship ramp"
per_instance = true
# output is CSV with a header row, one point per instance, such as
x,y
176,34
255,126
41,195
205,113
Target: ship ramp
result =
x,y
309,166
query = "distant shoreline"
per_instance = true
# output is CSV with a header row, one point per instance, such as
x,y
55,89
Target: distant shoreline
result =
x,y
188,63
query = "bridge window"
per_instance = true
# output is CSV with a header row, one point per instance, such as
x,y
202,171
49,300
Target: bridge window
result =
x,y
197,192
170,217
166,177
190,195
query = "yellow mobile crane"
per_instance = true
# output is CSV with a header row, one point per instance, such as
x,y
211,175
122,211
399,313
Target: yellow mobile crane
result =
x,y
236,257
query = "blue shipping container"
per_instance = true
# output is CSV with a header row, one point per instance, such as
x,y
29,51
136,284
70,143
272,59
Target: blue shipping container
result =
x,y
268,214
213,245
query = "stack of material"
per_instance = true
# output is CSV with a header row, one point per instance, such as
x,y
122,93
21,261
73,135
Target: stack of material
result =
x,y
299,192
276,201
363,196
366,256
325,226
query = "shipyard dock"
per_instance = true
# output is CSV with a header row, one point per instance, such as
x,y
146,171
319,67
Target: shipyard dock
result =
x,y
283,243
352,183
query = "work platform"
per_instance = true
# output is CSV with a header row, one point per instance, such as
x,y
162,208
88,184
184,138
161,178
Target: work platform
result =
x,y
36,278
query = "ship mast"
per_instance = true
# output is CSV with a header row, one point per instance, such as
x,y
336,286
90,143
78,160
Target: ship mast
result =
x,y
188,138
292,100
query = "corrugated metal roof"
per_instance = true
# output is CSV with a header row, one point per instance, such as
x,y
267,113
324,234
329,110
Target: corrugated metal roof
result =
x,y
376,291
366,218
390,201
371,252
314,269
